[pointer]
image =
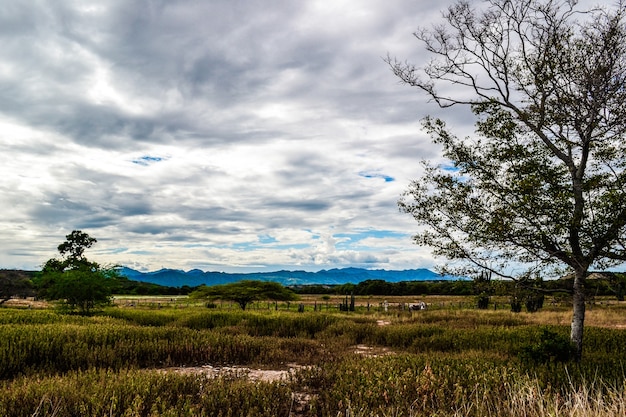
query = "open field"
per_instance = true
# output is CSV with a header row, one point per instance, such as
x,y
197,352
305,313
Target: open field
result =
x,y
168,356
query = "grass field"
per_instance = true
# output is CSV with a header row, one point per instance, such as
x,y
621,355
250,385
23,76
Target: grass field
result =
x,y
169,356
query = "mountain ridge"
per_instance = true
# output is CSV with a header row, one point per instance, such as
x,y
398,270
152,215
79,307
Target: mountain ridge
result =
x,y
336,276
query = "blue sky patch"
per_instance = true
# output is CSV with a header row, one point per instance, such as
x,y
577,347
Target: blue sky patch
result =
x,y
349,239
243,246
251,246
266,239
375,234
366,174
449,168
147,160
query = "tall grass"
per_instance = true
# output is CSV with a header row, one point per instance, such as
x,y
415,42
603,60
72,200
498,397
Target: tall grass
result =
x,y
253,323
140,338
141,393
442,362
521,400
50,348
458,385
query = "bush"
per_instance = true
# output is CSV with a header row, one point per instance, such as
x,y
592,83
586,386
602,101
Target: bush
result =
x,y
483,302
551,348
534,302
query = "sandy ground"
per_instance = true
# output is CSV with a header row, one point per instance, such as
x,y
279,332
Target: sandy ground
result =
x,y
26,303
266,375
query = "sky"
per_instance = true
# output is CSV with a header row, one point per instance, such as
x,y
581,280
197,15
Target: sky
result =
x,y
221,135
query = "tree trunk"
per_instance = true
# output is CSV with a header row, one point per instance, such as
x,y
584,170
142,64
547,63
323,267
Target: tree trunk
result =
x,y
578,318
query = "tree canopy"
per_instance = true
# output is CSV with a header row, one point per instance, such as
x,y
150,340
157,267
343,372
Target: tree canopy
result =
x,y
73,279
245,292
539,189
74,246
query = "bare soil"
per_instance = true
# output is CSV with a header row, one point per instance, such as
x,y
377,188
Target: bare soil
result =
x,y
26,303
265,375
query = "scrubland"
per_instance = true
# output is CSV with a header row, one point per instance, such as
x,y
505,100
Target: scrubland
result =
x,y
449,360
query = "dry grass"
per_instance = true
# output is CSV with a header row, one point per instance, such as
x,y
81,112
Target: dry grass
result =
x,y
526,399
605,313
377,343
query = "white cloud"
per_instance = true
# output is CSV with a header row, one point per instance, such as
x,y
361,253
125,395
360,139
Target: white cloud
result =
x,y
215,135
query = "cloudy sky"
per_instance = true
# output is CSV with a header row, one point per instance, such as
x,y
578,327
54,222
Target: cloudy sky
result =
x,y
222,135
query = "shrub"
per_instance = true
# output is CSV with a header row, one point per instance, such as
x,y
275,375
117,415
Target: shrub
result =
x,y
552,347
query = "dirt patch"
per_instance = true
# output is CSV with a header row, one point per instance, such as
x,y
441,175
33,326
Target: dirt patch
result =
x,y
26,303
300,401
371,351
265,375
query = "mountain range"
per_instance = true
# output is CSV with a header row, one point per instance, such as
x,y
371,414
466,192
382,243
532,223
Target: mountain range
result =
x,y
195,277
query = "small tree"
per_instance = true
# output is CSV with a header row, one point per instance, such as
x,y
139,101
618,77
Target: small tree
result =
x,y
617,284
529,293
245,292
73,279
539,189
483,289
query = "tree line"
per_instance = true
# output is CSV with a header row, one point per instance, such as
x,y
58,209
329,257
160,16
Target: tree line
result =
x,y
607,284
80,284
77,282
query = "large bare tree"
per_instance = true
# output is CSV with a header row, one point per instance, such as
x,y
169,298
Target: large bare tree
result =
x,y
540,188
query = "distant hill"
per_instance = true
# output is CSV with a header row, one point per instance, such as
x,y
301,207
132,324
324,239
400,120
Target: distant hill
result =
x,y
195,277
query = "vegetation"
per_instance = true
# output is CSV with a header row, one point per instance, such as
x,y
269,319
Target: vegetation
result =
x,y
606,284
74,280
246,291
14,284
447,360
122,285
172,356
540,187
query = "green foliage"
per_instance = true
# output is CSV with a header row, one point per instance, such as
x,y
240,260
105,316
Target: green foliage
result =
x,y
244,292
74,247
381,287
550,348
74,280
534,302
78,289
42,341
347,306
483,289
72,254
539,187
616,283
517,189
528,293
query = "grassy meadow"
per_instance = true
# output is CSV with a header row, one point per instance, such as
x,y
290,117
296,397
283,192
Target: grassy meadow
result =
x,y
449,360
